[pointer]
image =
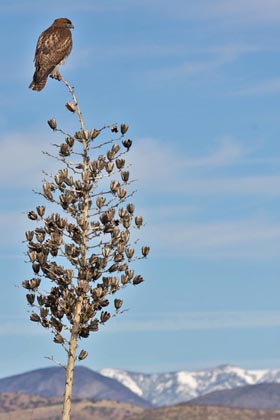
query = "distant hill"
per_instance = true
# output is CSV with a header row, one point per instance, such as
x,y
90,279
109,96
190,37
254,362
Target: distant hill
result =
x,y
181,386
49,382
260,396
156,389
27,407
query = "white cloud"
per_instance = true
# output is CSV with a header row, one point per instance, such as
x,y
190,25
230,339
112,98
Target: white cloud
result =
x,y
187,321
163,168
243,10
265,87
246,238
225,11
167,321
22,160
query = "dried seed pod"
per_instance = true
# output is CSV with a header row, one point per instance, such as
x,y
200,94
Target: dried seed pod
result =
x,y
41,300
30,298
129,252
64,150
41,210
129,273
97,292
114,186
130,208
109,167
123,267
70,141
29,235
104,303
145,250
137,280
101,162
124,128
94,133
126,223
69,181
114,282
105,316
100,201
107,216
124,279
52,123
70,106
127,144
35,317
115,148
45,323
58,339
84,332
110,155
113,268
107,281
118,257
44,312
120,163
106,251
31,284
36,267
123,213
32,215
114,128
120,248
32,255
121,193
59,314
58,179
125,176
79,135
83,354
138,221
93,326
40,235
125,236
118,303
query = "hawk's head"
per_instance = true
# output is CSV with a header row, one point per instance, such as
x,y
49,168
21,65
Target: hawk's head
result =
x,y
63,23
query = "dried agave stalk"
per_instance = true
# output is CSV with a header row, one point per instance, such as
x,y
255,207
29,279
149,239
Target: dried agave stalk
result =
x,y
84,252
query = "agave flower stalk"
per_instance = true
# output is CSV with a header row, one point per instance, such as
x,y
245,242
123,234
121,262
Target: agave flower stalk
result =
x,y
82,254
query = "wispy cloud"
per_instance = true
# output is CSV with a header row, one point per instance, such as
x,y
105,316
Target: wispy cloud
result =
x,y
167,321
246,238
196,321
225,11
22,160
243,10
265,87
163,168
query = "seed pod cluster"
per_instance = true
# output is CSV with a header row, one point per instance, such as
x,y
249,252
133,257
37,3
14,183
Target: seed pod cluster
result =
x,y
86,250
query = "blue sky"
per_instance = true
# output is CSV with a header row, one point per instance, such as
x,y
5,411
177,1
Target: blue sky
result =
x,y
198,82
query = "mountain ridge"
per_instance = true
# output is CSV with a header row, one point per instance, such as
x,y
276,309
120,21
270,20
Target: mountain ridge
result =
x,y
182,386
141,389
49,382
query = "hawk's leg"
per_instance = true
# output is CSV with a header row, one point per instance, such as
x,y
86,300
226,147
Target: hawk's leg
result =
x,y
55,74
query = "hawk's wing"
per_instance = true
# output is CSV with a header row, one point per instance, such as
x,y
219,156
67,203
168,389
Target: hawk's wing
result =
x,y
53,47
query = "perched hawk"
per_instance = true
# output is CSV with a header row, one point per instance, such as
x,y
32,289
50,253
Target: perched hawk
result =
x,y
53,47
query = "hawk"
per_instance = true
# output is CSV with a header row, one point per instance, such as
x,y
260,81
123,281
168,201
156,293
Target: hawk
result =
x,y
53,47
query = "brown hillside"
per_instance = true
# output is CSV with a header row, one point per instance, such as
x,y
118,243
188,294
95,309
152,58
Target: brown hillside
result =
x,y
31,407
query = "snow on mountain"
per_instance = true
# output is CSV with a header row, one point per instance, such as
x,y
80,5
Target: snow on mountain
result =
x,y
172,388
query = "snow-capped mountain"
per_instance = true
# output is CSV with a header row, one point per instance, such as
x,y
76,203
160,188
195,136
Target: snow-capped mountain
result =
x,y
172,388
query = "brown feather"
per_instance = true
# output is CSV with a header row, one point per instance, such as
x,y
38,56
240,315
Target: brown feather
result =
x,y
53,47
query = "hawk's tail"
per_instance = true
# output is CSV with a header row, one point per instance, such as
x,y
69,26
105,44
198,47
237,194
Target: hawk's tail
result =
x,y
38,85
